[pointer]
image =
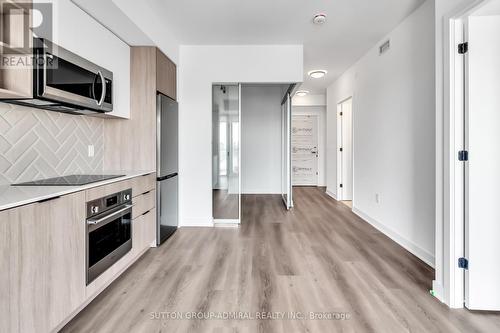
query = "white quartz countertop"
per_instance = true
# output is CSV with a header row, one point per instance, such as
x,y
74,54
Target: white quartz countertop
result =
x,y
14,196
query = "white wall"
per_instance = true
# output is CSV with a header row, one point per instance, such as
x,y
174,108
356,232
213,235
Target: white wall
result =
x,y
149,20
199,68
261,139
319,111
393,134
309,100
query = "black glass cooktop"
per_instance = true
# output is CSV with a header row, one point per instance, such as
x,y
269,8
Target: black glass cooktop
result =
x,y
71,180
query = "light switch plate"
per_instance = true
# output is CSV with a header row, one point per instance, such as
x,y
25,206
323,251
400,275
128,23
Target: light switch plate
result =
x,y
91,150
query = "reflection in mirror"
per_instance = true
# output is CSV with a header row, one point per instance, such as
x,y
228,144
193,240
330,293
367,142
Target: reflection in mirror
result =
x,y
226,152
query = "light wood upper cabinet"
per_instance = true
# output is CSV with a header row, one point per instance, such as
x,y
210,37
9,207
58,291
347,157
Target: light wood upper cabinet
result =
x,y
15,47
45,268
166,75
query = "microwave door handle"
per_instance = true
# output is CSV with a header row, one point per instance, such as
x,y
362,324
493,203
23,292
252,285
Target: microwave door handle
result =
x,y
103,94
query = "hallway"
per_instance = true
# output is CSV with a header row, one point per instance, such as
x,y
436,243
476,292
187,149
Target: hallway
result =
x,y
319,258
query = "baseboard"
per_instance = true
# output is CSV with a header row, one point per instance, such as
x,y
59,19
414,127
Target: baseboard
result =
x,y
437,290
407,244
331,194
196,222
226,223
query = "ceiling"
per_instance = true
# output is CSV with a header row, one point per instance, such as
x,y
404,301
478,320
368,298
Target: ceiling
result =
x,y
115,20
490,8
352,27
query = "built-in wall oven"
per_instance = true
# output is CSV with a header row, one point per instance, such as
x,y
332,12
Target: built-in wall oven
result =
x,y
109,231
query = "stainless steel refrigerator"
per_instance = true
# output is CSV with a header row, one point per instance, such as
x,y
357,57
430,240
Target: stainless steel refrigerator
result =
x,y
167,167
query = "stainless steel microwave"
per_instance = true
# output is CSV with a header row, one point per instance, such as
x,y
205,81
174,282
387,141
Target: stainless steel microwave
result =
x,y
66,82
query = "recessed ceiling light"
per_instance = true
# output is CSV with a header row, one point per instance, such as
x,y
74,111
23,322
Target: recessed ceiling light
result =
x,y
302,93
319,18
317,74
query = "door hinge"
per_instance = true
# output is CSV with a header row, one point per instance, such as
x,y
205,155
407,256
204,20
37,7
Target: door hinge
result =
x,y
463,263
341,113
316,173
341,149
463,155
341,185
463,48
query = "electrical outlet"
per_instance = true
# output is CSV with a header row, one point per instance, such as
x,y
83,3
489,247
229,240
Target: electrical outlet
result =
x,y
377,198
91,150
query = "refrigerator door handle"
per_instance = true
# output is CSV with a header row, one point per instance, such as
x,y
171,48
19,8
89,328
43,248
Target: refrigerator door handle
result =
x,y
172,175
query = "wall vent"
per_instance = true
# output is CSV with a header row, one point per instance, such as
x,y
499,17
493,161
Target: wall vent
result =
x,y
384,47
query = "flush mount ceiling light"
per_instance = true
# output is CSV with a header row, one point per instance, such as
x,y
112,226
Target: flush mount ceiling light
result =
x,y
302,93
317,74
319,18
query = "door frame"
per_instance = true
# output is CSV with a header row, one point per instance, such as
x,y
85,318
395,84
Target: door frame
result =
x,y
228,222
317,147
449,283
340,162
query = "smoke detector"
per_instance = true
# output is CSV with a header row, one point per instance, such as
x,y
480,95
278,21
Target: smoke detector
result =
x,y
319,19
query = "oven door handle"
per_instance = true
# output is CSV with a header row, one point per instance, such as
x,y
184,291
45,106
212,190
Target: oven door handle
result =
x,y
107,217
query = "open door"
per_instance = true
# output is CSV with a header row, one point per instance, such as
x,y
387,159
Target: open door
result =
x,y
482,170
286,149
226,153
344,154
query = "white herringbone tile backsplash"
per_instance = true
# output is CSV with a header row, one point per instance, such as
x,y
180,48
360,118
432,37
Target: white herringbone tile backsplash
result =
x,y
37,144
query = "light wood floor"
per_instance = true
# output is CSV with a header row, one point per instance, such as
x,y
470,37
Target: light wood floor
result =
x,y
225,205
348,203
319,257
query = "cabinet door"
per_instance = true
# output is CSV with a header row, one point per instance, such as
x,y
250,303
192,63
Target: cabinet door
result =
x,y
65,241
15,43
166,75
150,228
138,234
143,231
45,246
29,292
5,281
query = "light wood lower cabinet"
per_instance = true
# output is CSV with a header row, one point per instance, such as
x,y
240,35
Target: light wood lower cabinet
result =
x,y
144,231
43,256
46,265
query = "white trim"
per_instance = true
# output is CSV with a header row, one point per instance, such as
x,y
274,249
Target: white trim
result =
x,y
449,229
228,223
331,194
239,154
413,248
437,290
340,162
197,222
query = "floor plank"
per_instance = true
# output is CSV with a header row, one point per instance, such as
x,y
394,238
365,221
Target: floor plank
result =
x,y
318,257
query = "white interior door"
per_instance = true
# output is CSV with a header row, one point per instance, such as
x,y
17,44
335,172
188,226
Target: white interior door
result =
x,y
482,194
345,150
305,150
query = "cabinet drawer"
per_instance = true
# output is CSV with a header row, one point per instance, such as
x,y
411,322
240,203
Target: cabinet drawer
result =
x,y
102,191
143,203
143,184
144,231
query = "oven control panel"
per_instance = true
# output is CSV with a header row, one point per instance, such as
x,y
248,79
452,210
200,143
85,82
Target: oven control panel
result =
x,y
106,203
